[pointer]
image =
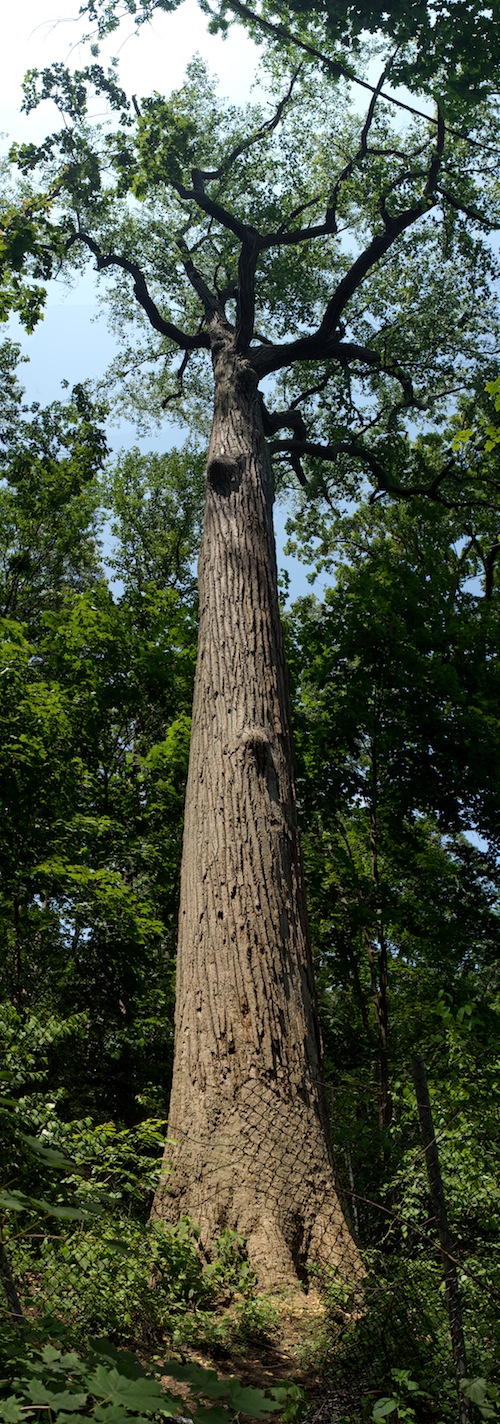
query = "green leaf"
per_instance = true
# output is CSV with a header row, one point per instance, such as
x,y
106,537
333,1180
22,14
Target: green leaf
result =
x,y
14,1201
115,1414
50,1155
64,1213
103,1351
253,1402
243,1399
482,1393
212,1414
63,1399
139,1394
11,1410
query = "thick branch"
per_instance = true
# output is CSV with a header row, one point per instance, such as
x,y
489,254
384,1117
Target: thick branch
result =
x,y
393,228
291,237
488,562
316,348
166,328
431,490
376,249
212,304
197,194
291,419
297,448
331,452
430,187
245,303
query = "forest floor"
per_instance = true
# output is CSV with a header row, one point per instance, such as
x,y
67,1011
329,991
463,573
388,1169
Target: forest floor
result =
x,y
292,1352
287,1351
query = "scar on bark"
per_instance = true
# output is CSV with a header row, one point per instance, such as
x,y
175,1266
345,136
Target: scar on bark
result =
x,y
223,475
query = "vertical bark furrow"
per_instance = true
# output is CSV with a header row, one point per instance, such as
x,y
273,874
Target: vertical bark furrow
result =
x,y
246,1106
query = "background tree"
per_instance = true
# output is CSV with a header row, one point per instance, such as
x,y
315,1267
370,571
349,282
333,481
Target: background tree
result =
x,y
94,699
395,696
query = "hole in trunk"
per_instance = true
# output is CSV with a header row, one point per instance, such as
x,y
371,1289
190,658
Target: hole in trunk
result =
x,y
223,475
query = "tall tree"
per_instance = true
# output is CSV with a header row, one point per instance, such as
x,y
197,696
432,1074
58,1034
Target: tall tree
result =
x,y
229,261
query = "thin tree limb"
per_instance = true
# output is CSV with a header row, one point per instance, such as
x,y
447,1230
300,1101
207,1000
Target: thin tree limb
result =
x,y
209,175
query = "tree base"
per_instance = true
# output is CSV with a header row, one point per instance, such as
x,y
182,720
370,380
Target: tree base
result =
x,y
262,1169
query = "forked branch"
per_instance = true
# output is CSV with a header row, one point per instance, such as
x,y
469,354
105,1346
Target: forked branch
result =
x,y
202,176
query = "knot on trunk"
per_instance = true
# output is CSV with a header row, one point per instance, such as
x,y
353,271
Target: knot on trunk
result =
x,y
256,741
223,475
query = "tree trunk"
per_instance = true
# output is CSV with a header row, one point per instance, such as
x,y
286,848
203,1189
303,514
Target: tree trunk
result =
x,y
246,1113
377,957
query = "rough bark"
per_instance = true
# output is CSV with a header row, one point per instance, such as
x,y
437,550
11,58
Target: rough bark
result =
x,y
247,1113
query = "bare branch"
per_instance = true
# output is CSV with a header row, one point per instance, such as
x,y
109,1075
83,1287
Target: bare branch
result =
x,y
292,237
364,263
316,451
312,391
430,187
197,195
341,71
175,395
297,448
472,213
317,348
297,213
393,228
331,212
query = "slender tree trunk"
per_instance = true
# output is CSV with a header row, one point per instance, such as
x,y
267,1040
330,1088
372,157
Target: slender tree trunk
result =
x,y
7,1279
247,1112
450,1274
377,957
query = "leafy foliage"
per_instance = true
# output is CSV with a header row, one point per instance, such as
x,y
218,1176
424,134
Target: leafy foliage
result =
x,y
95,706
450,49
112,1386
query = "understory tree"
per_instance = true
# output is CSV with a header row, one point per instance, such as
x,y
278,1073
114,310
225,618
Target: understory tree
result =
x,y
340,264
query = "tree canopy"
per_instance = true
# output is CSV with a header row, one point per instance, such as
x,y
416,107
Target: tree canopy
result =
x,y
450,49
350,260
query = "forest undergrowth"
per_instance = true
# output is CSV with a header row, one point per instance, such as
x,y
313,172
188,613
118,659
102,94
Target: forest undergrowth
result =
x,y
91,1274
